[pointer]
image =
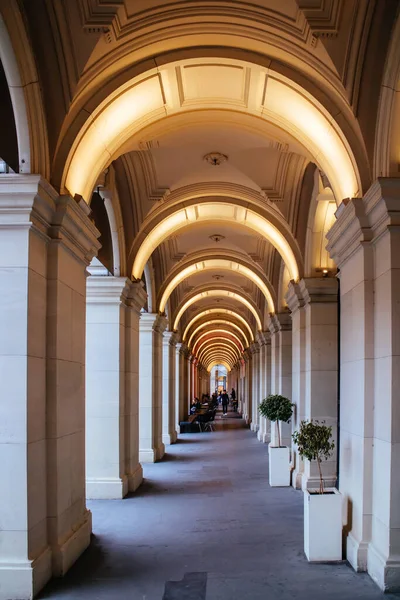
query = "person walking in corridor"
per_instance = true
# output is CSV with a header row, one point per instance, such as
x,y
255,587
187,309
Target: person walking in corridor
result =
x,y
225,402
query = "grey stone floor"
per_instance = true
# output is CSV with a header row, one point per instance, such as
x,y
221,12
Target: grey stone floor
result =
x,y
206,519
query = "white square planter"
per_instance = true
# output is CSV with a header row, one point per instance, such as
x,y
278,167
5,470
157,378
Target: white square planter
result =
x,y
323,526
279,467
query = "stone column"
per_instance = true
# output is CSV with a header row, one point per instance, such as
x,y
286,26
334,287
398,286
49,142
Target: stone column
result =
x,y
108,394
255,393
72,246
178,386
281,366
315,358
46,242
295,302
365,243
350,248
183,382
151,327
242,391
248,371
268,370
265,368
134,302
169,435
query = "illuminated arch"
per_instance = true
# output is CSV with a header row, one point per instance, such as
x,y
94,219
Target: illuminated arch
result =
x,y
211,293
217,341
220,353
219,362
193,267
220,344
214,360
219,202
223,353
214,311
148,98
213,322
218,331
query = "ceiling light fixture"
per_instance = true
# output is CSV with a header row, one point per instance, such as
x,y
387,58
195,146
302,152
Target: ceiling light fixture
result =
x,y
215,158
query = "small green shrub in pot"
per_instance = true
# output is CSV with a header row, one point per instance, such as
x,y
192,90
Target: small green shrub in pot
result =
x,y
276,408
313,442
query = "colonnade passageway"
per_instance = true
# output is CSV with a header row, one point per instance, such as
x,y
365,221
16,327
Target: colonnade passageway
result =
x,y
199,202
206,525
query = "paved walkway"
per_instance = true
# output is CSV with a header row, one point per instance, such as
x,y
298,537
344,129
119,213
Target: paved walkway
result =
x,y
206,519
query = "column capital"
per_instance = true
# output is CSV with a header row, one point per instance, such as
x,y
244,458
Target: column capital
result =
x,y
319,289
310,290
294,297
184,350
361,220
136,295
247,355
263,338
152,322
30,201
106,289
280,322
254,348
170,338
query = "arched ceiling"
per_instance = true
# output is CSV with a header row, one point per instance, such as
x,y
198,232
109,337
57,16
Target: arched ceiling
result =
x,y
204,126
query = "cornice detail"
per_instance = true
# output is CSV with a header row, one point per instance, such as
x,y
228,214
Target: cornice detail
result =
x,y
323,16
280,322
362,221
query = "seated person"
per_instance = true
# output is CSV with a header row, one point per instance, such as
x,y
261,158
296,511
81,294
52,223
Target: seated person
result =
x,y
196,405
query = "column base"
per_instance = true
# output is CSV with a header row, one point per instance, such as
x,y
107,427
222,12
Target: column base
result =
x,y
297,480
65,555
169,438
135,479
24,580
385,573
152,455
357,553
106,489
254,427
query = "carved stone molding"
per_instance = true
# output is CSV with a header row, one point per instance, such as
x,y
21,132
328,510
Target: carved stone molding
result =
x,y
323,16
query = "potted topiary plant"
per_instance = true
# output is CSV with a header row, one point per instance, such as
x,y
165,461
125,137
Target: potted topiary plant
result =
x,y
323,506
277,409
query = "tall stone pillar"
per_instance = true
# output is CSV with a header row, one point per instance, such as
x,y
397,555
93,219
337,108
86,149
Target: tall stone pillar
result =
x,y
242,390
46,243
71,248
248,386
255,393
151,328
169,435
112,434
350,248
365,243
178,386
281,367
295,302
264,432
183,382
315,358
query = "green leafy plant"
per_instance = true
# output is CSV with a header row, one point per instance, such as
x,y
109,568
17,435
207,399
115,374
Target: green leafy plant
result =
x,y
276,408
313,442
